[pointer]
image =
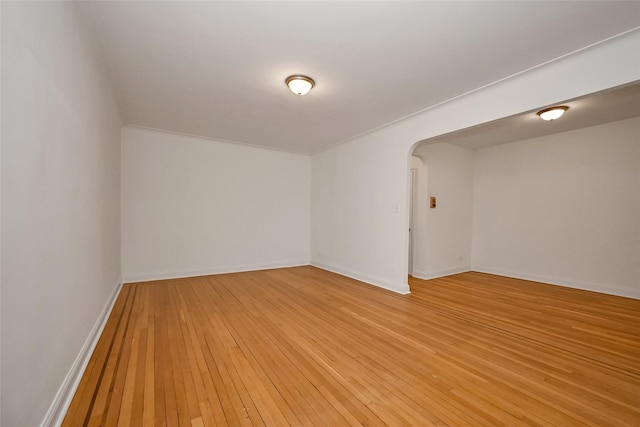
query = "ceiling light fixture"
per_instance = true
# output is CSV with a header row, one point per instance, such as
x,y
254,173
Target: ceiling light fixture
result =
x,y
552,113
300,85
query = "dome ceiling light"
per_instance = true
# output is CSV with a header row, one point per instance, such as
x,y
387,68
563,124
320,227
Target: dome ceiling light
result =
x,y
552,113
299,84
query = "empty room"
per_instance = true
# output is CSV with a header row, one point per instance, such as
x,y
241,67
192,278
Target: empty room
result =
x,y
307,213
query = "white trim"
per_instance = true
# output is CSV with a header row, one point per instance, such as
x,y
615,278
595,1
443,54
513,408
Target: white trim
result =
x,y
148,277
628,292
60,405
442,273
400,288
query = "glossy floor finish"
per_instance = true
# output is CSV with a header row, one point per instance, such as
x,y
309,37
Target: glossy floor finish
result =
x,y
302,346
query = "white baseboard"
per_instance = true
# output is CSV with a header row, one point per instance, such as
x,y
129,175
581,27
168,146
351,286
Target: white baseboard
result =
x,y
148,277
60,405
631,292
442,273
400,288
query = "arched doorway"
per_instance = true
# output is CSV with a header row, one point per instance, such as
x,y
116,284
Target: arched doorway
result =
x,y
440,184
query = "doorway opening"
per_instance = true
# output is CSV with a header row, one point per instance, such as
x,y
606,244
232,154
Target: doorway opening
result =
x,y
412,194
417,220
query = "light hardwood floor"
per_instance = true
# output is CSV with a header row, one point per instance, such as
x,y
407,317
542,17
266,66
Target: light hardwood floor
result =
x,y
303,346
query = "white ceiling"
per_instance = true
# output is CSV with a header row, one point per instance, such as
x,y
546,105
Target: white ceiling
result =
x,y
217,69
603,107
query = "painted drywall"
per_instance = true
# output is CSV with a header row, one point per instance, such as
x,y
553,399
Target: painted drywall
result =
x,y
562,209
359,214
359,219
193,206
442,238
60,200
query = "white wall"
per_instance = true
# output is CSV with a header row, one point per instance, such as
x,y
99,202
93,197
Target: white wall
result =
x,y
562,209
193,206
359,215
60,201
358,186
442,238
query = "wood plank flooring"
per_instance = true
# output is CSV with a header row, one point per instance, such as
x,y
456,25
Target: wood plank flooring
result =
x,y
302,346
